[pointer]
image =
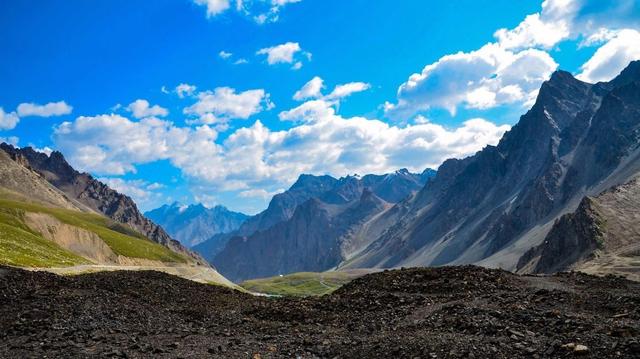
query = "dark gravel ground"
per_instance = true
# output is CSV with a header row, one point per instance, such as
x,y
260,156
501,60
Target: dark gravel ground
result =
x,y
455,312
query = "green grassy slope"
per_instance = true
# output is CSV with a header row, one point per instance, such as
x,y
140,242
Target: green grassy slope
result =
x,y
300,284
19,246
122,240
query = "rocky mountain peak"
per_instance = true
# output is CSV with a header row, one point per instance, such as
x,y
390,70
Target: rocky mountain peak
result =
x,y
306,181
370,199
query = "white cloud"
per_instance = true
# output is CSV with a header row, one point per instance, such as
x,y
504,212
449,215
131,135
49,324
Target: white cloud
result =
x,y
12,140
184,90
308,110
113,145
225,104
229,57
262,11
272,14
259,193
51,109
214,7
544,29
348,89
141,109
559,20
46,150
610,59
285,54
8,121
283,2
280,53
479,79
140,191
224,55
206,199
311,89
257,158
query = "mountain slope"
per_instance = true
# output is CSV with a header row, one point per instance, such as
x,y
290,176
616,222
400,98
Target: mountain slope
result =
x,y
323,231
194,224
90,193
18,179
281,207
390,187
602,236
42,228
578,139
311,240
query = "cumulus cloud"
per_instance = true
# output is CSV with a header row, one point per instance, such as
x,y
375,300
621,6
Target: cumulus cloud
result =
x,y
8,121
257,158
113,145
228,56
348,89
224,104
610,59
511,69
184,90
563,19
50,109
313,90
308,110
141,109
286,53
214,7
12,140
479,79
142,192
272,14
262,11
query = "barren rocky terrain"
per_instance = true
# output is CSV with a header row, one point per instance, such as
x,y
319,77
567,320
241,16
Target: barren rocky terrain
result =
x,y
451,312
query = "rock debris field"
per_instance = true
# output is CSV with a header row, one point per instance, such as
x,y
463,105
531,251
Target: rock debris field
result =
x,y
450,312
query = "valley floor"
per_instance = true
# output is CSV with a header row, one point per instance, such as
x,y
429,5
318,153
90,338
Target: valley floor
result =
x,y
465,312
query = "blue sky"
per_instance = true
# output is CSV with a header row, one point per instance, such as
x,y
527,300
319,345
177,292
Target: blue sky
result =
x,y
99,81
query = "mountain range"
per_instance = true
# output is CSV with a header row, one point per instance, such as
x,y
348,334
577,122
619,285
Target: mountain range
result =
x,y
313,226
193,224
542,200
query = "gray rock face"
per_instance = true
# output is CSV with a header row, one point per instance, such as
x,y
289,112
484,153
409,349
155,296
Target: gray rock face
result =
x,y
313,226
573,239
192,225
578,139
95,195
601,237
309,241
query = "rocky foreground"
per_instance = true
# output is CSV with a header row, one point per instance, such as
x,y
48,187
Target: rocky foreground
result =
x,y
454,312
